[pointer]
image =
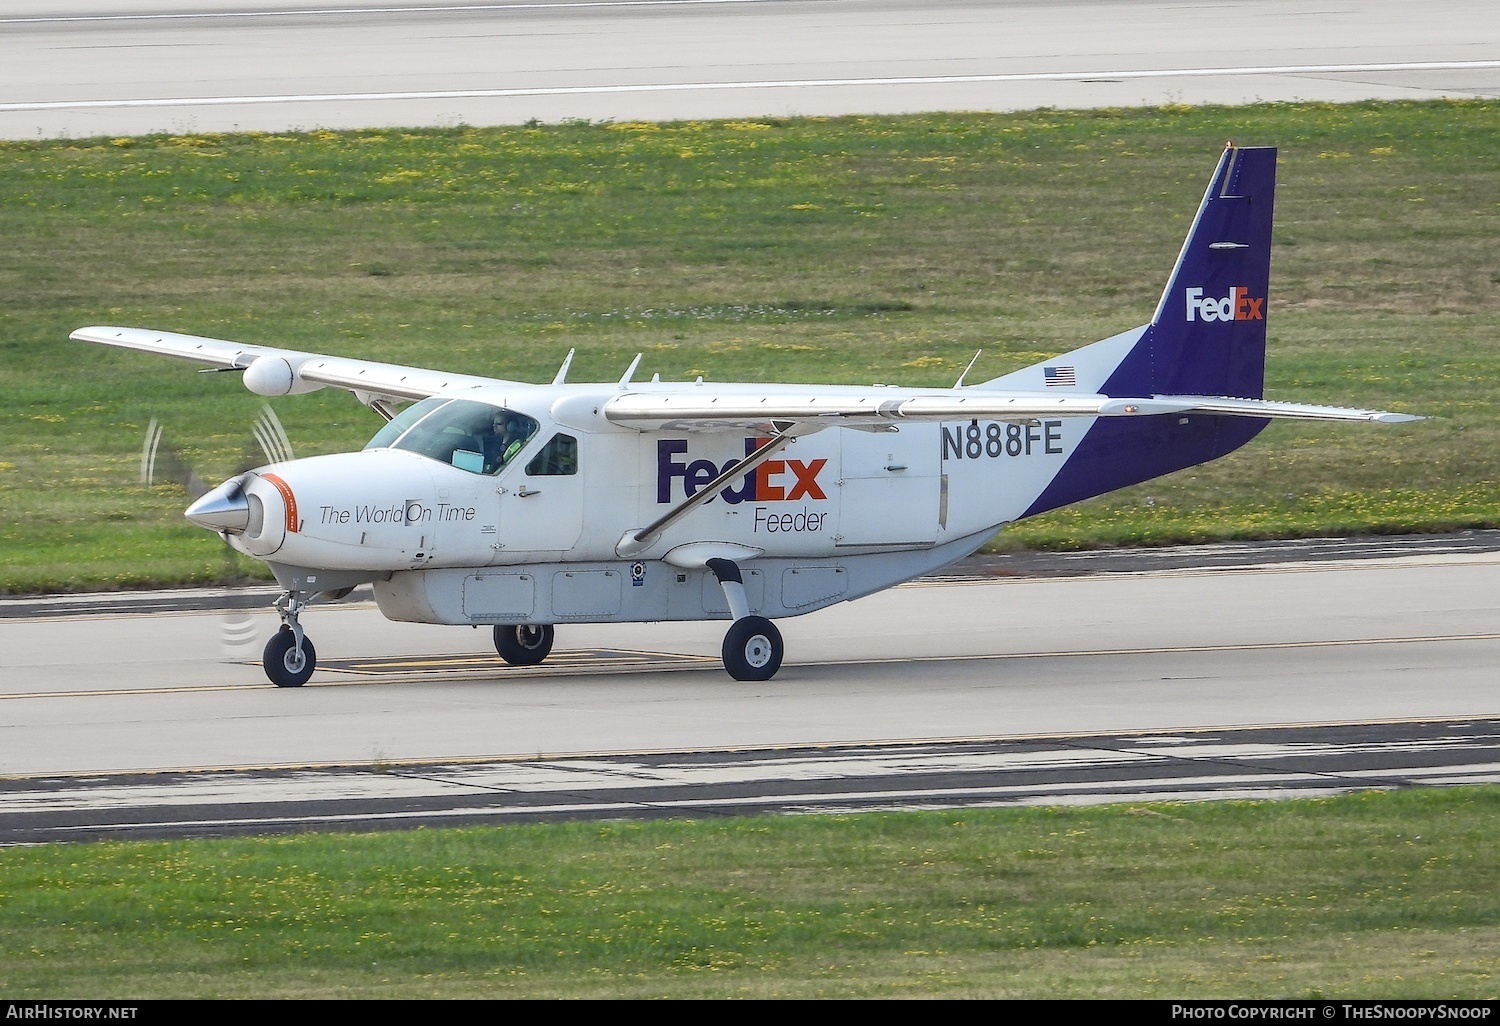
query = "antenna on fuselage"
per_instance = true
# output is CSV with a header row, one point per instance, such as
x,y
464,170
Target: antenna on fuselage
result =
x,y
630,371
562,372
960,382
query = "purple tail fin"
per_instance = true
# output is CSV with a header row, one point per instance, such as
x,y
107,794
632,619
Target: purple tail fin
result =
x,y
1207,337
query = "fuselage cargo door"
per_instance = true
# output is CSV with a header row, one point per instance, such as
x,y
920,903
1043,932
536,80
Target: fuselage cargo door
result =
x,y
889,486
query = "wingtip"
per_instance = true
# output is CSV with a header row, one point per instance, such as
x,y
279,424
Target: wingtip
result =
x,y
96,332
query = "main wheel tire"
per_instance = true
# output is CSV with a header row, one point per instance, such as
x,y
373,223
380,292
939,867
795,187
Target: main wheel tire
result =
x,y
523,644
285,666
753,649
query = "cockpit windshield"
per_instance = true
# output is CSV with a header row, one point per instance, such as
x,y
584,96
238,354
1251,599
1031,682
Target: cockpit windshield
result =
x,y
472,436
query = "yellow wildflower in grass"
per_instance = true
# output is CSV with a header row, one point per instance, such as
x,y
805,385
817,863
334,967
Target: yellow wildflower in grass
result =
x,y
397,177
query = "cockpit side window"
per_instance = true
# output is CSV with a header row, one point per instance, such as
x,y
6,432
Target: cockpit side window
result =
x,y
470,435
558,458
508,433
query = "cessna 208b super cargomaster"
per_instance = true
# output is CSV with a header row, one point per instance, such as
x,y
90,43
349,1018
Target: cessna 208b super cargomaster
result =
x,y
523,506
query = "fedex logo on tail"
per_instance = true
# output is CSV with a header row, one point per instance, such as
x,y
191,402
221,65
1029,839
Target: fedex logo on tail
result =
x,y
783,480
1239,305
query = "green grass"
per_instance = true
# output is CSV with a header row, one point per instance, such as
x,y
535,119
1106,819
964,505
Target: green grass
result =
x,y
1372,895
829,250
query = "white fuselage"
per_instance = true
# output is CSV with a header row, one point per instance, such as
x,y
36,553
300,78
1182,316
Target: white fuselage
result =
x,y
837,513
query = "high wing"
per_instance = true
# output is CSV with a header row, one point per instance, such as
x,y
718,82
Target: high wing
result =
x,y
709,409
782,409
271,371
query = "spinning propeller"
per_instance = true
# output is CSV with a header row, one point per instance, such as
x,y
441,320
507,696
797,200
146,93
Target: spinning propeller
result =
x,y
163,463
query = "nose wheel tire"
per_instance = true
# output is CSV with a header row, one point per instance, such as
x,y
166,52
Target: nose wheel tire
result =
x,y
523,644
286,667
753,649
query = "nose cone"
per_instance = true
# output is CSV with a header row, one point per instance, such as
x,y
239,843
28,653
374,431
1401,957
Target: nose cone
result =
x,y
226,508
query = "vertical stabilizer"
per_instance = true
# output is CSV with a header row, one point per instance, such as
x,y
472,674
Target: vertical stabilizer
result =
x,y
1208,335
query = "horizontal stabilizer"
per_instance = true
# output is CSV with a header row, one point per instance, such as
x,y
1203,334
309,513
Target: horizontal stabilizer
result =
x,y
1282,411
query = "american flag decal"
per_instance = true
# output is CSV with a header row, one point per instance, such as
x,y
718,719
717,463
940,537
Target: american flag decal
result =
x,y
1062,377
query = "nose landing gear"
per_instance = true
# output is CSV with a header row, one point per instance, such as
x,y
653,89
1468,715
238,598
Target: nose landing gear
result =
x,y
289,658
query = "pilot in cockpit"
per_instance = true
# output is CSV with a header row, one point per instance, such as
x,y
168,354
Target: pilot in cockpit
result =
x,y
506,438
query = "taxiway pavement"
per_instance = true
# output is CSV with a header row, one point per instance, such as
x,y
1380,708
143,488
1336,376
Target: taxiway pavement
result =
x,y
138,716
1402,638
1253,763
77,68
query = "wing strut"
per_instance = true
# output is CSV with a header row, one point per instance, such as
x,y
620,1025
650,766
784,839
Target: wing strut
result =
x,y
635,542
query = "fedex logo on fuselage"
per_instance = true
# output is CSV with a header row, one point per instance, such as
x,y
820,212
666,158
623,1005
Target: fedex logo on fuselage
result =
x,y
773,481
1237,306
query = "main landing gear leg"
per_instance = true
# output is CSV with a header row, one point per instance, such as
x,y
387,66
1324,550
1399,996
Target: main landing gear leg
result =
x,y
289,656
752,647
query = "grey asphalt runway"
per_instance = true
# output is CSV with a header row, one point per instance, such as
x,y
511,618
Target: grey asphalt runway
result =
x,y
1402,638
1250,680
71,68
1254,763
